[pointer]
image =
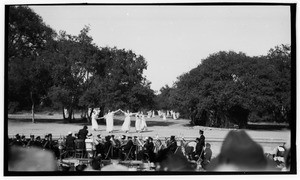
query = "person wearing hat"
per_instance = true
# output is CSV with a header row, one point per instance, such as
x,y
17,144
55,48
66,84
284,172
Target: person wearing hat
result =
x,y
70,142
149,149
207,156
107,147
17,141
82,133
239,153
126,148
116,144
37,142
31,141
172,145
201,143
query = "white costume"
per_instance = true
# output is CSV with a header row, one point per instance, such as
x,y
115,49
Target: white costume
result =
x,y
94,121
143,123
164,116
174,115
126,124
109,117
137,123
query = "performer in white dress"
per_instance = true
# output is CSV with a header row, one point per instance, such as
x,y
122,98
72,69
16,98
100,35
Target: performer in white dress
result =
x,y
126,124
109,117
164,116
137,122
94,119
143,122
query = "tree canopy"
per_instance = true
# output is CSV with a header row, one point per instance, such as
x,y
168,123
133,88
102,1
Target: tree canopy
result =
x,y
64,71
230,87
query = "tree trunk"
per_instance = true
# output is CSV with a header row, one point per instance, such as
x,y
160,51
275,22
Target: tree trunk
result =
x,y
32,107
70,115
102,111
90,115
64,113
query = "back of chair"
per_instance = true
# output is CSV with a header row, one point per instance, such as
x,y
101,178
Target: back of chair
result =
x,y
79,144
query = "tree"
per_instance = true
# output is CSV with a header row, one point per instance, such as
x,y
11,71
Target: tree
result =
x,y
28,75
69,56
117,81
229,87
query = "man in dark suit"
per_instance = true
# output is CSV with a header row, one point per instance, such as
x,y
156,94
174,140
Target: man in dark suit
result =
x,y
83,133
107,147
149,149
201,143
172,146
126,148
70,141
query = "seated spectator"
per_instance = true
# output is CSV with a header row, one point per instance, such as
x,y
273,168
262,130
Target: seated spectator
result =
x,y
70,144
127,148
31,141
207,156
149,149
158,146
17,141
38,142
239,153
172,145
108,147
278,154
24,141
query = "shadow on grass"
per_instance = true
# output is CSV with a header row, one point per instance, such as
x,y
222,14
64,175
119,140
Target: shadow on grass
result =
x,y
149,123
266,126
80,122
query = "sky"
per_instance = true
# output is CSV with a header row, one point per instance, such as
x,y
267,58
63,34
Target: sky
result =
x,y
174,39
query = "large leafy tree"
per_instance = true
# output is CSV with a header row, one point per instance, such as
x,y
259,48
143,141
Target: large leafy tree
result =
x,y
118,82
229,87
69,57
28,73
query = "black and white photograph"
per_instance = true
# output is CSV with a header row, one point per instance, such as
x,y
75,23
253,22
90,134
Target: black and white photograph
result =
x,y
172,88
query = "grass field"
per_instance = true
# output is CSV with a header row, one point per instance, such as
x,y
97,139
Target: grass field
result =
x,y
45,123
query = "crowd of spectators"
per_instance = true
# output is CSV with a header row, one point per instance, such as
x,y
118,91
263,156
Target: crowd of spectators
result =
x,y
238,153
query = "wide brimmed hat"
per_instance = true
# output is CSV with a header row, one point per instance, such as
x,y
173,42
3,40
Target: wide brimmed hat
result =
x,y
238,149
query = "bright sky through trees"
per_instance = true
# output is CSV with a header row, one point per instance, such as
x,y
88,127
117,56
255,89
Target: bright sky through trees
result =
x,y
174,39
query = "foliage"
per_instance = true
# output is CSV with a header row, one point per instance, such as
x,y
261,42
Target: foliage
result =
x,y
28,75
231,88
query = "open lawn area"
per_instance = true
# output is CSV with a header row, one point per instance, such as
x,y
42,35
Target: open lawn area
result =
x,y
53,123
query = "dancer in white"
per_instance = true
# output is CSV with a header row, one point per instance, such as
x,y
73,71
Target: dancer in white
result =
x,y
126,124
143,122
94,119
109,117
164,116
137,122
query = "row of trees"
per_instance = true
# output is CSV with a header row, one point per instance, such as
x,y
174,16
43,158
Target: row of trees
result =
x,y
65,71
229,87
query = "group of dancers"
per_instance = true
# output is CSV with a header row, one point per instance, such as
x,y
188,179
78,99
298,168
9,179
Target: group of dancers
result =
x,y
140,121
